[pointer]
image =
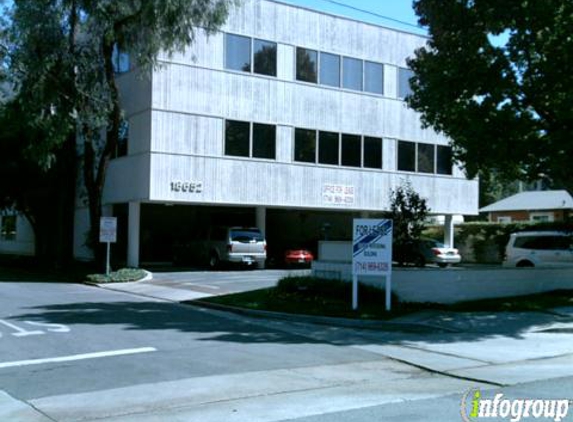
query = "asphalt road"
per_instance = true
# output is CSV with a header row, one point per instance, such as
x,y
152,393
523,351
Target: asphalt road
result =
x,y
78,353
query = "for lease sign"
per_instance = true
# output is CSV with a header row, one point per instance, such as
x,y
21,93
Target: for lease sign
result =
x,y
372,247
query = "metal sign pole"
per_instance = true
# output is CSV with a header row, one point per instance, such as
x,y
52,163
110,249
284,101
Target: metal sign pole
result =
x,y
107,266
389,292
354,292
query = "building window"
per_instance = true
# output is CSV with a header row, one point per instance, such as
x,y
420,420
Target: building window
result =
x,y
8,228
406,156
306,65
372,152
351,150
264,141
374,78
328,148
237,52
426,154
330,69
122,140
352,73
305,145
444,160
404,88
265,57
120,60
237,138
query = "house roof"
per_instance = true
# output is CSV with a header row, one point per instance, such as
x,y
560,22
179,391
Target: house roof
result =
x,y
535,200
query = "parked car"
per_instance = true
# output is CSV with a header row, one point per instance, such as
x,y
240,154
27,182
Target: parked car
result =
x,y
298,257
426,251
225,245
539,249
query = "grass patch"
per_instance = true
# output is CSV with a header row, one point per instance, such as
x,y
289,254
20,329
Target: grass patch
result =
x,y
119,276
322,297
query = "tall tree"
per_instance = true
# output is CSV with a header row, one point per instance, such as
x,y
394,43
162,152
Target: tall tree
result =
x,y
495,76
60,61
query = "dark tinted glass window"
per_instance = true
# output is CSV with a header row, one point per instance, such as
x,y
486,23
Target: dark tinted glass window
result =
x,y
406,156
305,145
237,138
329,69
426,158
246,235
352,73
372,152
404,76
306,65
122,139
351,150
237,52
264,141
265,57
444,160
374,77
328,148
8,229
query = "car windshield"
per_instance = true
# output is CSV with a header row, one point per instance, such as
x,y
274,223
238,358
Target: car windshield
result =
x,y
246,235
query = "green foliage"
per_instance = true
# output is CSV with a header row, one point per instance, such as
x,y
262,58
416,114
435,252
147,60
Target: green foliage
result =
x,y
120,276
408,210
495,77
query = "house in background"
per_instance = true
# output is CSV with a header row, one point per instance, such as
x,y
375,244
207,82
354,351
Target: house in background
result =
x,y
16,234
552,205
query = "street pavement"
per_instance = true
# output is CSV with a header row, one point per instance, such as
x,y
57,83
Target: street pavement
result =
x,y
182,363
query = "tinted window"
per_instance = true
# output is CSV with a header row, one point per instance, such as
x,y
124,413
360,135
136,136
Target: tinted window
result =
x,y
406,156
122,139
264,141
8,229
306,65
305,145
404,76
238,52
329,69
372,152
351,150
265,58
237,138
328,148
352,73
444,160
425,158
374,77
246,235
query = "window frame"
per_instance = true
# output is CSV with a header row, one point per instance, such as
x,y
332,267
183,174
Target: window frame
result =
x,y
251,126
252,54
316,61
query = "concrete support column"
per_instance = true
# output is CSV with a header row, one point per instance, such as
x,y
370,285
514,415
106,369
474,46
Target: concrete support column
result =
x,y
449,231
133,228
262,223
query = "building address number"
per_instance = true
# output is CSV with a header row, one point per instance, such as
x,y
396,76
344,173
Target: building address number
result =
x,y
190,187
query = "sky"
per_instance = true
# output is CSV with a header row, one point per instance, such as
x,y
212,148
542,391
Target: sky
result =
x,y
382,12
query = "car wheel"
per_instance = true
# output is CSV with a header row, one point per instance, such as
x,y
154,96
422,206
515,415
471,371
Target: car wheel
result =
x,y
525,264
442,264
214,261
420,261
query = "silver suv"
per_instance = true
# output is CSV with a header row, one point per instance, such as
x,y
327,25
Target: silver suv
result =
x,y
237,245
539,249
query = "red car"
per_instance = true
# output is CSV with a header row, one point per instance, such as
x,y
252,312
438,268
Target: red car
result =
x,y
298,257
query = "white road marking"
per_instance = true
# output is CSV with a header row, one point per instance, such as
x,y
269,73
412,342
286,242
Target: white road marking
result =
x,y
83,356
20,332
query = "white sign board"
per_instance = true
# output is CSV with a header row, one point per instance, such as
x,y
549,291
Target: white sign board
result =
x,y
372,253
108,229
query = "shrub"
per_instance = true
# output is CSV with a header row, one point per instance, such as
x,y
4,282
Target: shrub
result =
x,y
120,276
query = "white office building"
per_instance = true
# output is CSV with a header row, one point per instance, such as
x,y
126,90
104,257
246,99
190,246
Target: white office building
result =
x,y
289,119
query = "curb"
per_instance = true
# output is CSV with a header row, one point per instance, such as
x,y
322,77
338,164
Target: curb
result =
x,y
148,276
323,320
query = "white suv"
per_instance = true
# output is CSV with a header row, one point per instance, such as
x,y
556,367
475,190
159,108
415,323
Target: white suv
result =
x,y
539,249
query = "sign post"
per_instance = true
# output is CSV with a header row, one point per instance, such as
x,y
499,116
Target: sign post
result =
x,y
107,234
372,254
